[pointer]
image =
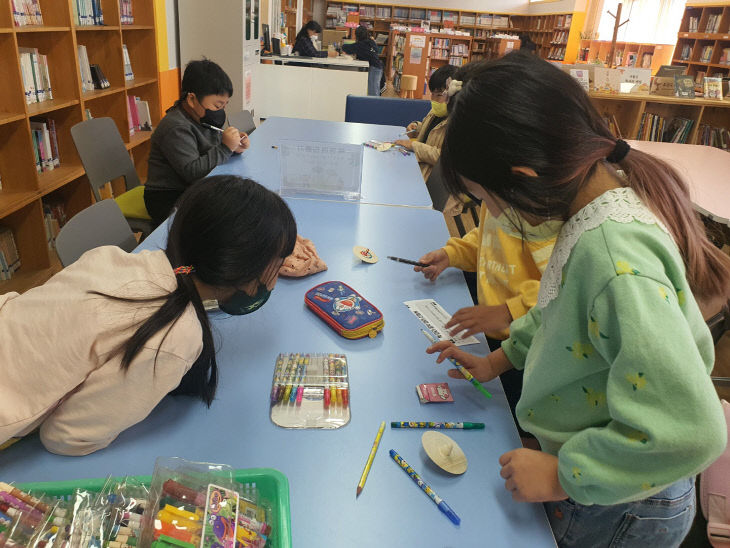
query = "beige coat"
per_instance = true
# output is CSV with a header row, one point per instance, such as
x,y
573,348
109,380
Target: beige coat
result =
x,y
428,153
57,368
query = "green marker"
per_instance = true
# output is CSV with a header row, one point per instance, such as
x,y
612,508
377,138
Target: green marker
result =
x,y
468,376
446,425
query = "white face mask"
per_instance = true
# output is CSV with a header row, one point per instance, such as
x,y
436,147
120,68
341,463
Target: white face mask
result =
x,y
313,38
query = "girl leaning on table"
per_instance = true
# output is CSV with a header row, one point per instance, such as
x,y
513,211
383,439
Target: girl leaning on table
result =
x,y
616,353
93,350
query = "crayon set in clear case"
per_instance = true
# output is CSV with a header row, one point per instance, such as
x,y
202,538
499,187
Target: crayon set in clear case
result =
x,y
310,391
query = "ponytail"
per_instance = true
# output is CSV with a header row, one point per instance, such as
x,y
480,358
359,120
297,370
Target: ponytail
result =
x,y
231,230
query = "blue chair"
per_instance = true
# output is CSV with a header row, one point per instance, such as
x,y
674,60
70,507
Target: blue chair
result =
x,y
385,111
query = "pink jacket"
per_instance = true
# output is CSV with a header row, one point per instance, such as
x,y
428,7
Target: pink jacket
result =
x,y
57,367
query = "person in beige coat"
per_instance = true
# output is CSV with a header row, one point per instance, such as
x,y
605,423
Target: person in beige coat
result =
x,y
93,350
430,132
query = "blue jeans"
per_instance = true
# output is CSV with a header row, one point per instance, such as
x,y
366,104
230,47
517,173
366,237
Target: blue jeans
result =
x,y
374,75
661,520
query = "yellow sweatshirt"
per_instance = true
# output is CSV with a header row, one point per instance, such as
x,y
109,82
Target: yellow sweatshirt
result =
x,y
508,269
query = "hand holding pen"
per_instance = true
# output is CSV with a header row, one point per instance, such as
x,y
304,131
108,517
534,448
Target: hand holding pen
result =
x,y
480,368
437,262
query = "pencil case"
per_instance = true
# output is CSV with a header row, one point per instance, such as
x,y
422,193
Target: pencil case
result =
x,y
345,310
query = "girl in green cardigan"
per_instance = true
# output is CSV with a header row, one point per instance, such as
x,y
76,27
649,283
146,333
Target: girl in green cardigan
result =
x,y
616,354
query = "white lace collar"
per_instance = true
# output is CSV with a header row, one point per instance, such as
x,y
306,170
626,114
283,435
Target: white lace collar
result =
x,y
619,204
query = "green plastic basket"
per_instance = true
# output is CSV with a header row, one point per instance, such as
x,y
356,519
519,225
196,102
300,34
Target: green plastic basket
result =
x,y
272,485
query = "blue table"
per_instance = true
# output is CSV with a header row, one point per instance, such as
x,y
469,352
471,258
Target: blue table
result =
x,y
387,177
324,467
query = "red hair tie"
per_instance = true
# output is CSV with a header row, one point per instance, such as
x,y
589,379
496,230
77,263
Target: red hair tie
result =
x,y
184,270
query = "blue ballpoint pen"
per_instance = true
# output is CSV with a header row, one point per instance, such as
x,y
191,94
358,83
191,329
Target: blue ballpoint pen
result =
x,y
441,503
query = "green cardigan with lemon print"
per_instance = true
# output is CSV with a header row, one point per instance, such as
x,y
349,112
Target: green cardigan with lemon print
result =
x,y
617,360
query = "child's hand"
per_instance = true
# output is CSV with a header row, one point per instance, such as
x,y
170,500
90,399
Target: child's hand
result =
x,y
405,143
231,138
437,262
479,319
411,127
531,476
481,368
244,144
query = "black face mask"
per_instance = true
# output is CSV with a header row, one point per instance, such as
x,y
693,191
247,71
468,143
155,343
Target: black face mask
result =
x,y
241,303
214,118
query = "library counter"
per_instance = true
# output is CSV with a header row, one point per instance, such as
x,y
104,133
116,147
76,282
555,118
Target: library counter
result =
x,y
308,87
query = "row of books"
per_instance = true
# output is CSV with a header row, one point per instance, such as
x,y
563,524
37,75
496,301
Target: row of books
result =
x,y
401,13
467,20
718,137
9,256
54,217
564,20
92,77
495,21
138,115
36,76
441,43
556,53
459,50
612,124
560,37
713,23
450,16
125,10
694,23
457,61
686,52
654,127
725,57
45,144
26,12
706,54
87,13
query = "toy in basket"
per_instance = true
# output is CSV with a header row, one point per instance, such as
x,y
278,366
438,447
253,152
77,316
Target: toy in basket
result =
x,y
345,310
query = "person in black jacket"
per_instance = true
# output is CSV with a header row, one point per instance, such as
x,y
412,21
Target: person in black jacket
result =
x,y
303,43
365,49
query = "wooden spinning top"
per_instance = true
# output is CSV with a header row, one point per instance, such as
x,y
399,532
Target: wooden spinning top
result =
x,y
444,451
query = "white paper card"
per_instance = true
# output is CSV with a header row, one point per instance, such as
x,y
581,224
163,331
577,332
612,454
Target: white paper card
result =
x,y
434,317
312,168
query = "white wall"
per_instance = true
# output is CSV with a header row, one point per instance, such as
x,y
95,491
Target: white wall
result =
x,y
172,60
562,6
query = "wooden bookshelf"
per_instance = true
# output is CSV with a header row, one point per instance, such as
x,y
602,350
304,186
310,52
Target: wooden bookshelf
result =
x,y
705,28
24,190
627,54
628,109
481,26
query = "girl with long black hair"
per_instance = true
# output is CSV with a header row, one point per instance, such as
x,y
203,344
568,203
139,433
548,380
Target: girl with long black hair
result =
x,y
93,350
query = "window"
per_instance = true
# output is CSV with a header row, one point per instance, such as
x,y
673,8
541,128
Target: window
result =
x,y
651,21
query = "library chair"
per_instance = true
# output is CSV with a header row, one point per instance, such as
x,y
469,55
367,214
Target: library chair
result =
x,y
242,121
458,225
385,111
100,224
408,85
105,158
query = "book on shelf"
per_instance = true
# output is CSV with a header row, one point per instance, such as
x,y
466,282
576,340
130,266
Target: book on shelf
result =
x,y
718,137
684,86
9,256
382,13
612,124
686,52
694,23
725,57
656,128
87,12
45,144
434,16
706,54
128,72
713,23
36,76
381,39
582,78
678,130
26,12
125,11
712,87
138,115
97,76
646,60
87,79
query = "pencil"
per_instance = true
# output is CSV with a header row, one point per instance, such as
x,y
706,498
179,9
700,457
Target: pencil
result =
x,y
407,261
369,463
209,126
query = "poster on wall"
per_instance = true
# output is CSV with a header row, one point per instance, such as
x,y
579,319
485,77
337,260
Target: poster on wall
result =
x,y
416,56
418,41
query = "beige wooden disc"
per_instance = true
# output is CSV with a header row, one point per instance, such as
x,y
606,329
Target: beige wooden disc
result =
x,y
365,254
444,451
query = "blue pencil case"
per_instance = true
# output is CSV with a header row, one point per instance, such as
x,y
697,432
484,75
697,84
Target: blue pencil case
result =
x,y
345,310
